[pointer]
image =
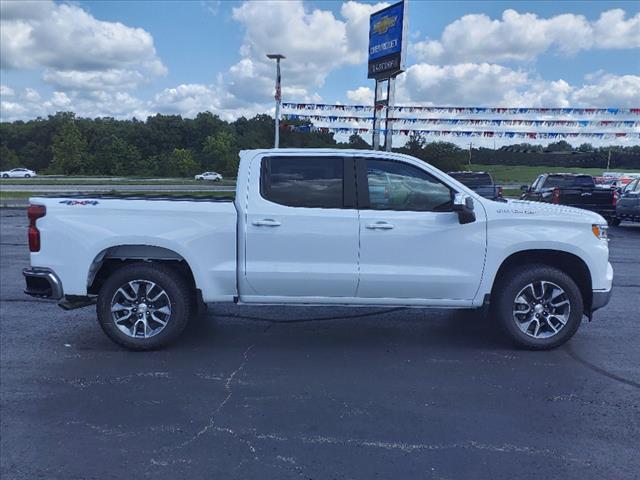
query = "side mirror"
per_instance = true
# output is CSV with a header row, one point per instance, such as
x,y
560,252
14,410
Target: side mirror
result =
x,y
463,205
524,188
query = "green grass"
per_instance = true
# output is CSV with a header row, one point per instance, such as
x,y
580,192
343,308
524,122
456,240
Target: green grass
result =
x,y
525,175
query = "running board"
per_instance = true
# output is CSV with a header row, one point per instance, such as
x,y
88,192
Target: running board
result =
x,y
73,302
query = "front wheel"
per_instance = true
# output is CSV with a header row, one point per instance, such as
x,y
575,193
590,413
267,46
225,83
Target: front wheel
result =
x,y
5,175
27,175
538,306
144,306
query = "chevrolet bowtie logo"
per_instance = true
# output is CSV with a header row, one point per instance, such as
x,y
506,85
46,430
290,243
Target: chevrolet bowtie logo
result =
x,y
384,24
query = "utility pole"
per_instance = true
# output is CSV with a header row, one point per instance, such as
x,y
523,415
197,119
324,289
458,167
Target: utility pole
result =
x,y
278,95
609,160
470,145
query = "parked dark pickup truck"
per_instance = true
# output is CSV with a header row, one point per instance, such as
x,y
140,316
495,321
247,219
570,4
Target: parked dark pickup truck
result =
x,y
480,182
574,190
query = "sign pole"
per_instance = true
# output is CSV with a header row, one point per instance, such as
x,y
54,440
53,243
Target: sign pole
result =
x,y
391,93
278,96
278,99
377,111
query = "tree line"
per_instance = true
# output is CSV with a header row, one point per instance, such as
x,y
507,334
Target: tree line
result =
x,y
560,154
172,146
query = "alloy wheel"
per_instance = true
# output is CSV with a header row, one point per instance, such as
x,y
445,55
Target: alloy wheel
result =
x,y
541,309
140,308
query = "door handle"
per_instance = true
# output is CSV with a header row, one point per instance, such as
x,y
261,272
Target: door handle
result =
x,y
586,194
267,222
380,226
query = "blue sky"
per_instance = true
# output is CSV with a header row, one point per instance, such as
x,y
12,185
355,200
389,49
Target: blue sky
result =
x,y
195,43
136,58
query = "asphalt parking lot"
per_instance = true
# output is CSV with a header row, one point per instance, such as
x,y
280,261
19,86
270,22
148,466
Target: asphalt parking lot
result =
x,y
323,393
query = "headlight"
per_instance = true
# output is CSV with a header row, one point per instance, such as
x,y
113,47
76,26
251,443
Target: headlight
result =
x,y
600,231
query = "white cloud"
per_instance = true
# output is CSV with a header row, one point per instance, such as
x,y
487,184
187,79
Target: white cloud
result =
x,y
462,84
357,27
190,99
494,85
314,42
75,47
112,79
523,37
6,91
610,90
361,96
31,95
613,30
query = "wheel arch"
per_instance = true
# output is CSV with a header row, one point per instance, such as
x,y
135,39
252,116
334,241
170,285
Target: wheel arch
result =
x,y
569,263
112,258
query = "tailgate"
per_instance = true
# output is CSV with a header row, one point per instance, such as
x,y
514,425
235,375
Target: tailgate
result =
x,y
595,199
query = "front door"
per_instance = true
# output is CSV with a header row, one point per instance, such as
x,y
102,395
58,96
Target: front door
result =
x,y
412,245
301,229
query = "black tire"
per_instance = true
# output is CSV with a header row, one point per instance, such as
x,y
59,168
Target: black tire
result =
x,y
177,291
27,175
5,176
614,221
513,282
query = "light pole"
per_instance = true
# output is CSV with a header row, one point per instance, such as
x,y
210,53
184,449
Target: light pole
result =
x,y
278,96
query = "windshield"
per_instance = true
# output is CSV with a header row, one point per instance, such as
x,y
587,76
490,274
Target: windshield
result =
x,y
564,181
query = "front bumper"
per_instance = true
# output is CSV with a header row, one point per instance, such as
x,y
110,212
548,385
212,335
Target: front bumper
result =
x,y
42,283
600,299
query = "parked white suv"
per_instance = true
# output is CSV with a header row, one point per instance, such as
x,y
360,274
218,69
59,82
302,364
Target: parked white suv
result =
x,y
212,176
18,173
321,227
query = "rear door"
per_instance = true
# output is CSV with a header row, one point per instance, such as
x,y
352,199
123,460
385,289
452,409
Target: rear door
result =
x,y
413,248
301,229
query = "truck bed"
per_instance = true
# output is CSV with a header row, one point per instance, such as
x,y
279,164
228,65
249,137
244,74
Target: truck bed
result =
x,y
80,231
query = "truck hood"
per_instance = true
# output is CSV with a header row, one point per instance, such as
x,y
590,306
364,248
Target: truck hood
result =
x,y
525,208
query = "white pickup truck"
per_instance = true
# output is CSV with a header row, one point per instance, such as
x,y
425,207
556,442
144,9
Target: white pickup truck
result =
x,y
319,227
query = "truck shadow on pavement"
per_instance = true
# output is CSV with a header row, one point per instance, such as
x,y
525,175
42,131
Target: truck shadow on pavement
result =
x,y
296,327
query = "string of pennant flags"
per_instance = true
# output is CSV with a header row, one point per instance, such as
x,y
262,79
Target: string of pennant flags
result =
x,y
464,110
467,121
464,133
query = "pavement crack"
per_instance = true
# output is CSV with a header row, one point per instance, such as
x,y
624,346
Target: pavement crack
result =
x,y
228,386
406,447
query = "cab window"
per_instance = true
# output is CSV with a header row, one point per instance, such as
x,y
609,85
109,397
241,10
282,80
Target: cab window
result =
x,y
400,186
312,182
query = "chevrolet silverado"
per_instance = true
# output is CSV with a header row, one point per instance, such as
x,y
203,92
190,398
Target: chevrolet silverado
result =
x,y
320,227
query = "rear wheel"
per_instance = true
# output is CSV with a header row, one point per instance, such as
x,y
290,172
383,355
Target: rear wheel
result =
x,y
538,306
144,306
5,175
26,175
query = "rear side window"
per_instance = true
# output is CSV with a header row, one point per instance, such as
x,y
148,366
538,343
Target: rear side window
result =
x,y
312,182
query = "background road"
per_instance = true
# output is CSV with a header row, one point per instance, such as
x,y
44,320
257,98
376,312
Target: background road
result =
x,y
327,393
118,187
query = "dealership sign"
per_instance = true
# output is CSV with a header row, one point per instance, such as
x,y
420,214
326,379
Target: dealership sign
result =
x,y
387,31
